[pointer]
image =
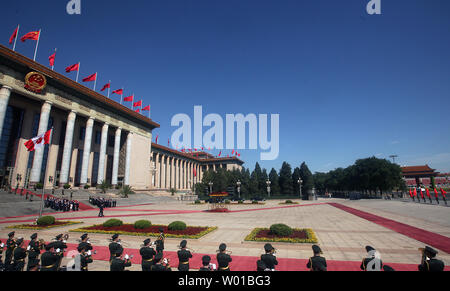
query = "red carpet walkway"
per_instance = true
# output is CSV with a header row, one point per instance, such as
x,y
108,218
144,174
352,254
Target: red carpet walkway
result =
x,y
430,238
241,263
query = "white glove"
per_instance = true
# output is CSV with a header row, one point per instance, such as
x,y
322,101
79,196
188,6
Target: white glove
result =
x,y
88,242
64,241
213,266
89,253
58,250
2,245
28,248
126,257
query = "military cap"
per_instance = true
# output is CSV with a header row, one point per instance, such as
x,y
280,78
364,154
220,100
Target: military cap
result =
x,y
34,236
316,249
11,233
147,241
387,268
268,247
59,236
50,246
222,247
431,251
183,244
206,260
84,236
158,257
161,229
81,247
115,236
369,248
19,241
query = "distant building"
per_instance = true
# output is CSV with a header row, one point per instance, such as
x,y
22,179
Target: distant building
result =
x,y
415,176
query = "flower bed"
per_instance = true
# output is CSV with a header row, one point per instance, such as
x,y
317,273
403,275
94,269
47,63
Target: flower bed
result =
x,y
292,203
218,210
57,223
191,232
298,236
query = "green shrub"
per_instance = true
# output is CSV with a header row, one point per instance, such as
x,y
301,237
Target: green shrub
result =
x,y
142,224
227,201
112,222
240,202
177,225
66,186
104,186
45,220
254,202
198,202
281,229
288,202
39,186
126,190
87,186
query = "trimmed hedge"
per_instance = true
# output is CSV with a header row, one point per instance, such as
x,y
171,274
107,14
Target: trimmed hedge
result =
x,y
45,220
227,201
142,224
289,202
281,229
177,225
112,222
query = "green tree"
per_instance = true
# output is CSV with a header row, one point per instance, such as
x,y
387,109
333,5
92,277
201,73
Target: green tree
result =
x,y
307,177
286,179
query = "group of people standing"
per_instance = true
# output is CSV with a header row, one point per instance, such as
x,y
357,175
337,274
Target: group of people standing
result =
x,y
59,204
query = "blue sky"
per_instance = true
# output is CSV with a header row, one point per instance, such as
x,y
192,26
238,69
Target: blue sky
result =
x,y
346,84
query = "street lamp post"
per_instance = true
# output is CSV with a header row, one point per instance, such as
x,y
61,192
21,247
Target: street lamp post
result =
x,y
210,187
300,181
238,184
268,187
18,179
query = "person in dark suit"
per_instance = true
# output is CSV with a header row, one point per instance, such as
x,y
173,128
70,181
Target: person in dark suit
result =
x,y
270,261
372,262
100,206
223,259
183,257
429,262
316,262
147,254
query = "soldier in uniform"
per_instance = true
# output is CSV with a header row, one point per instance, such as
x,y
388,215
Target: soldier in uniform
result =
x,y
372,262
19,256
429,262
60,246
85,242
85,257
10,246
49,259
183,257
206,264
223,259
160,264
118,264
34,250
2,245
114,247
147,254
269,259
160,241
316,262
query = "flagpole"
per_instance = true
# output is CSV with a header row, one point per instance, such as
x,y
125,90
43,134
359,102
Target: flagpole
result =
x,y
121,96
17,35
43,184
54,60
95,83
109,88
78,72
37,44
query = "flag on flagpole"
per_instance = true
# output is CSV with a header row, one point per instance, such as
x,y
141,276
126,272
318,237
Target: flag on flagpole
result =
x,y
38,141
14,37
138,111
51,60
33,35
72,68
90,78
137,104
118,92
129,98
107,86
156,141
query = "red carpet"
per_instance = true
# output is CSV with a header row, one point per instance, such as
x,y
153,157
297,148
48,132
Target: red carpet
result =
x,y
430,238
244,263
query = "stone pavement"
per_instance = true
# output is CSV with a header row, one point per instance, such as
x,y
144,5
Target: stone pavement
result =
x,y
342,235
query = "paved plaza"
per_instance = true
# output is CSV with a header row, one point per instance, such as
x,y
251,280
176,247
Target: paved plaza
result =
x,y
342,234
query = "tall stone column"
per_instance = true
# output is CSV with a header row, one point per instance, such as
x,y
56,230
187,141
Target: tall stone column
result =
x,y
86,151
102,156
35,176
5,93
115,170
67,152
158,172
126,179
163,172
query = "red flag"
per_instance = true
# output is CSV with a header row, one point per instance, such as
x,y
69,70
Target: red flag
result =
x,y
428,193
220,153
421,193
146,108
415,192
90,78
157,139
118,92
38,141
436,193
51,59
129,98
137,104
14,35
443,192
72,68
106,87
410,193
34,35
195,171
232,152
138,111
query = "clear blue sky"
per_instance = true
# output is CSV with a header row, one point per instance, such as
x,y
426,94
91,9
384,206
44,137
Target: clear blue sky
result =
x,y
347,85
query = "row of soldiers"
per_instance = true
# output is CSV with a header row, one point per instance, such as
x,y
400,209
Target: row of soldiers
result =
x,y
153,258
59,204
100,201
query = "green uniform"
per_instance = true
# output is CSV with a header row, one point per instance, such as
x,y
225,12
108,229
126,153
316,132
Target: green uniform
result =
x,y
432,265
317,263
183,258
147,254
19,256
33,255
85,259
114,248
49,261
118,265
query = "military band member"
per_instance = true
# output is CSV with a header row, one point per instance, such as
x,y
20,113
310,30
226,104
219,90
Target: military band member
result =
x,y
316,262
118,264
206,264
85,257
34,250
49,259
161,264
160,241
10,246
147,254
19,256
114,247
269,259
429,262
183,257
85,242
60,246
223,259
372,262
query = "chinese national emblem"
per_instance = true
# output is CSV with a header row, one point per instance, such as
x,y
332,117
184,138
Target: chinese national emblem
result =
x,y
35,82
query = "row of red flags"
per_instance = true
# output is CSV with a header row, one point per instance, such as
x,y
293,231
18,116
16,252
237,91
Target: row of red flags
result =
x,y
35,35
414,193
